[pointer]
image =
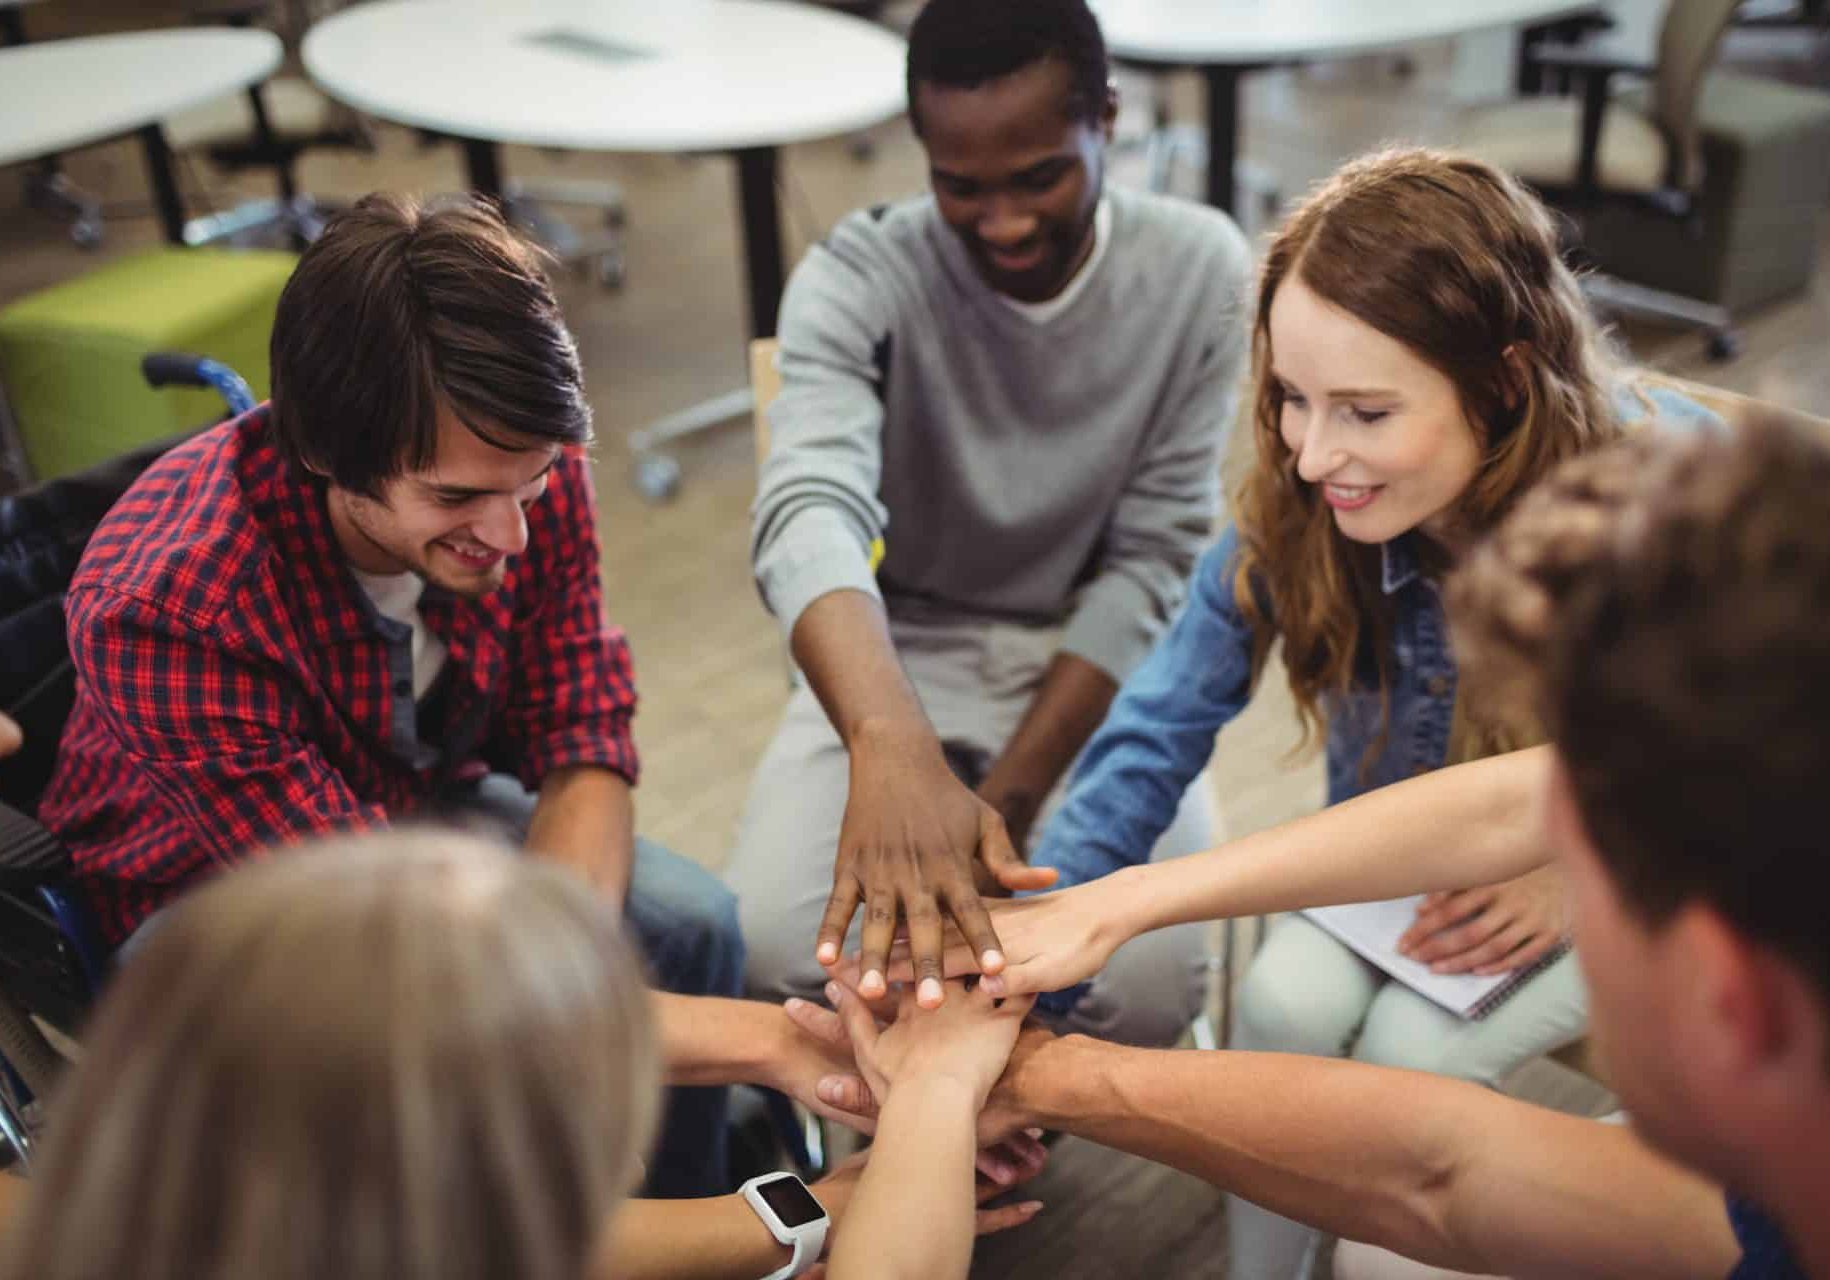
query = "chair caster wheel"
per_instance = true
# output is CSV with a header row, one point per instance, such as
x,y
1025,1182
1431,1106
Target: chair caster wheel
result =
x,y
1724,345
612,271
87,233
657,477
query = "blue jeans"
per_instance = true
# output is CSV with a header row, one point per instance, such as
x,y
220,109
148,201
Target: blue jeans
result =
x,y
684,922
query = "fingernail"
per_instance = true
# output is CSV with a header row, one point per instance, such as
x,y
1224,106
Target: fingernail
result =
x,y
832,993
992,959
1001,1174
827,1091
930,991
1029,1206
873,983
994,987
1034,1133
828,953
792,1002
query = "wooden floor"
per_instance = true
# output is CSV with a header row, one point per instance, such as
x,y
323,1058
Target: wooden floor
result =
x,y
709,659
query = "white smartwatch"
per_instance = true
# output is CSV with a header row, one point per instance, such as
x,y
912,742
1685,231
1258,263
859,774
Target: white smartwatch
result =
x,y
793,1217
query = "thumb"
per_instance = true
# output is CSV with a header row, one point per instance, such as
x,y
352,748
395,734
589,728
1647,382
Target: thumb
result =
x,y
1024,876
822,1024
859,1024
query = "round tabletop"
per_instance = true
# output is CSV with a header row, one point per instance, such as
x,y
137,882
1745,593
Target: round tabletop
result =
x,y
60,94
611,75
1247,32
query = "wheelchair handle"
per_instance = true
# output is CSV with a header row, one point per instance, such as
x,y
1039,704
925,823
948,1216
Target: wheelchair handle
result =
x,y
180,369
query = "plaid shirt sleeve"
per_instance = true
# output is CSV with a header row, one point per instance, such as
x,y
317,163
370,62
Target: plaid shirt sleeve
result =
x,y
211,727
572,697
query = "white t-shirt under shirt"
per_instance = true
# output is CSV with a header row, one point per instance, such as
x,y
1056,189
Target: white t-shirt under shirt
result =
x,y
1043,312
396,596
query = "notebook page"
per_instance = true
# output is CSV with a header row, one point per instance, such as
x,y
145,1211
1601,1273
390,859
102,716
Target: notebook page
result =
x,y
1372,929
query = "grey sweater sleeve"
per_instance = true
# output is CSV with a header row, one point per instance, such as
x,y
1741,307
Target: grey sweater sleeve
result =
x,y
1167,513
817,511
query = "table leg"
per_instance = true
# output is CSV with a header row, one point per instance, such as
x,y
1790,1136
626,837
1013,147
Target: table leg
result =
x,y
483,167
164,184
1222,134
760,212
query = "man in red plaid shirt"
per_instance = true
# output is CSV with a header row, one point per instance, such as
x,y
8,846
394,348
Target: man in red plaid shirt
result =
x,y
377,599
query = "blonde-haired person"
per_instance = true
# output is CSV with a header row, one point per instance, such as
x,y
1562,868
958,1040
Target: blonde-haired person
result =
x,y
1422,357
413,1056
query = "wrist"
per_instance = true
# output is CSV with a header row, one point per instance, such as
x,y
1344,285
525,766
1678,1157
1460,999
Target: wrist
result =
x,y
1038,1089
1129,903
939,1090
892,737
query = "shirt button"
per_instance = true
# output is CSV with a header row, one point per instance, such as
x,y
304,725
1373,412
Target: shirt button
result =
x,y
1438,686
403,688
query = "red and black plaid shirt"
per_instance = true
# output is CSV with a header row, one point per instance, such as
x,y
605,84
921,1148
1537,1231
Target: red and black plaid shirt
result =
x,y
234,690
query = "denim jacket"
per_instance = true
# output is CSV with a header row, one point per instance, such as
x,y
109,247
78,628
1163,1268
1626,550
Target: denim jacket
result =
x,y
1159,734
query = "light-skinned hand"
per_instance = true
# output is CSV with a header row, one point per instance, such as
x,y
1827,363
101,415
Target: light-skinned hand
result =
x,y
1051,941
1490,930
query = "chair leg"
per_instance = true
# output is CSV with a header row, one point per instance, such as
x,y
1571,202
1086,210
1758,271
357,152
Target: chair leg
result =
x,y
1620,297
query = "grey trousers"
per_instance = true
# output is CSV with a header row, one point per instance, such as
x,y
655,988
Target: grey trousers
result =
x,y
975,680
1307,993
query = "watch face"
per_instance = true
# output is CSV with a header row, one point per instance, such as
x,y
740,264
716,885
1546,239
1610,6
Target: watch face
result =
x,y
790,1201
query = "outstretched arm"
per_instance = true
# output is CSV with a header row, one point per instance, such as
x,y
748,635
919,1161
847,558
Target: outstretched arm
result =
x,y
1435,1169
1473,824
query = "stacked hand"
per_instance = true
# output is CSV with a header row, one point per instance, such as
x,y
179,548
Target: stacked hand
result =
x,y
1493,929
912,844
969,1039
1049,942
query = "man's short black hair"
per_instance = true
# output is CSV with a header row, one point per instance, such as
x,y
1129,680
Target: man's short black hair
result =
x,y
962,44
399,307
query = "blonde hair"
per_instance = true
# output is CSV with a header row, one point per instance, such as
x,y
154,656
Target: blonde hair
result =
x,y
1460,263
395,1057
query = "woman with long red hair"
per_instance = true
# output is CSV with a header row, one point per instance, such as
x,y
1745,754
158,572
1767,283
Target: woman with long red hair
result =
x,y
1422,357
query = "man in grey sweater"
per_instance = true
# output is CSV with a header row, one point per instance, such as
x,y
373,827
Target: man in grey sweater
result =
x,y
1016,389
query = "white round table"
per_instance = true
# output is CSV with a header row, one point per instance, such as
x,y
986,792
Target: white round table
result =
x,y
1225,39
741,76
60,94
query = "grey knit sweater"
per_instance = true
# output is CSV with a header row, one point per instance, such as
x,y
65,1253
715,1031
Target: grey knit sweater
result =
x,y
1054,471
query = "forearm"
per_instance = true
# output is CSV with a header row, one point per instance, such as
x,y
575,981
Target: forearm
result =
x,y
706,1040
842,645
585,819
1337,1145
1068,706
912,1214
717,1238
1456,828
1432,1168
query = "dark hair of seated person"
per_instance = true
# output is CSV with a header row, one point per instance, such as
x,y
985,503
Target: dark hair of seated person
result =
x,y
401,305
962,44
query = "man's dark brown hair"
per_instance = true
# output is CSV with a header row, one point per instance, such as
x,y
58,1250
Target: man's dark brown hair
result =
x,y
400,306
1669,603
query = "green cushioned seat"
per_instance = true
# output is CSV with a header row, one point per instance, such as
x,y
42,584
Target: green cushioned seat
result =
x,y
70,354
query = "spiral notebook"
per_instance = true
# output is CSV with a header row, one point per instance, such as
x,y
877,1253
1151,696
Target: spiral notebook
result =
x,y
1372,929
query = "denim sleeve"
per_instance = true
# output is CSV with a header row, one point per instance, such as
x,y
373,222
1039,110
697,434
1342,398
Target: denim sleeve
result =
x,y
1159,733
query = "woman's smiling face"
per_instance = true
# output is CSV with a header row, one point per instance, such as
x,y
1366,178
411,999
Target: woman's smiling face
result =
x,y
1380,432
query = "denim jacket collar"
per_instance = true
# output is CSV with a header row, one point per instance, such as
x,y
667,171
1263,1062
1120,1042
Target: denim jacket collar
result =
x,y
1399,565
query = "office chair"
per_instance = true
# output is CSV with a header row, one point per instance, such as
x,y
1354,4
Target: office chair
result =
x,y
266,127
1594,150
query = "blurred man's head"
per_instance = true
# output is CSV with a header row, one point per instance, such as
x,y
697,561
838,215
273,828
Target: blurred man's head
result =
x,y
1668,603
1012,101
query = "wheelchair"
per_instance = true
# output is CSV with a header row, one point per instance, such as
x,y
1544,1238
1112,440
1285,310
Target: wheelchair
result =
x,y
52,961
